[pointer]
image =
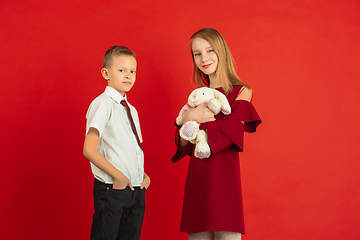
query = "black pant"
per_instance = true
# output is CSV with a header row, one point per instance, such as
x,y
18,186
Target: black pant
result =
x,y
119,214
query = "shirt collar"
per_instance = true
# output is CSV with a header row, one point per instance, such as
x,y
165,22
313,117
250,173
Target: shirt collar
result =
x,y
115,95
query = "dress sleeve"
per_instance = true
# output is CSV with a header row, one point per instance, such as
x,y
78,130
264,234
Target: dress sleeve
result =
x,y
186,151
229,131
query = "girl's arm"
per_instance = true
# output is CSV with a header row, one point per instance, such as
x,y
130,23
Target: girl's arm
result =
x,y
245,94
229,132
92,153
182,144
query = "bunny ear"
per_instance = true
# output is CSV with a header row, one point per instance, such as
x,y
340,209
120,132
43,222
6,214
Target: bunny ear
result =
x,y
191,99
219,95
225,106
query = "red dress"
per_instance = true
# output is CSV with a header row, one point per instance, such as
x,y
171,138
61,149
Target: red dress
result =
x,y
212,197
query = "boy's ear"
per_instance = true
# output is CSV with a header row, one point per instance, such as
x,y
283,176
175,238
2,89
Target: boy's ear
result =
x,y
105,74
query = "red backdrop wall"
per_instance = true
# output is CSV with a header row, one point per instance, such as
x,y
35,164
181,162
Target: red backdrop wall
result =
x,y
302,58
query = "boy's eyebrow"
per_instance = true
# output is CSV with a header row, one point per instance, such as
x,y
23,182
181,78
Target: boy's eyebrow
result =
x,y
120,66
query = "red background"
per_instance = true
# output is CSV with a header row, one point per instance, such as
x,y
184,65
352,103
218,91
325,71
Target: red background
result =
x,y
302,58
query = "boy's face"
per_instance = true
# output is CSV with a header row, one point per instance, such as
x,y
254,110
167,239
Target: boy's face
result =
x,y
122,73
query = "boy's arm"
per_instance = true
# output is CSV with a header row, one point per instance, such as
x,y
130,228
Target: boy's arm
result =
x,y
92,153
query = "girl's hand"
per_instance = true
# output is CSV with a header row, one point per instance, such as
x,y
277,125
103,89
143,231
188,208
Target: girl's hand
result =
x,y
200,114
121,182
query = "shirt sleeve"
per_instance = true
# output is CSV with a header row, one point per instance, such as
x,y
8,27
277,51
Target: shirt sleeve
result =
x,y
98,115
229,131
186,151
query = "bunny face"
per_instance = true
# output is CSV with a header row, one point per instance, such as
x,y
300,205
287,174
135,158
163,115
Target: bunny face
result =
x,y
200,95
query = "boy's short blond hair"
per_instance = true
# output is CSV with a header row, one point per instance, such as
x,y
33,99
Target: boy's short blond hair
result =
x,y
116,51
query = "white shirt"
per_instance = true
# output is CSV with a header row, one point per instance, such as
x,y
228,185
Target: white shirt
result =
x,y
117,141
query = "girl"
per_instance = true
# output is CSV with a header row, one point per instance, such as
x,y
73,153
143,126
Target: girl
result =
x,y
212,200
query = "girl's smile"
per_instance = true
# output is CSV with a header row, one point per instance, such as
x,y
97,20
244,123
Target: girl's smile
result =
x,y
206,66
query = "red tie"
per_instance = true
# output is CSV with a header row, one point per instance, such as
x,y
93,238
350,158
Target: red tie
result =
x,y
124,103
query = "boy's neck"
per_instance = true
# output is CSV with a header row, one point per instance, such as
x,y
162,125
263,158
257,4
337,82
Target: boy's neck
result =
x,y
123,94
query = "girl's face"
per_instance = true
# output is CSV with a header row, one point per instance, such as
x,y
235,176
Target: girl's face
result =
x,y
205,57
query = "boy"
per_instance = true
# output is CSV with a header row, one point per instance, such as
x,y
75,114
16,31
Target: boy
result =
x,y
113,146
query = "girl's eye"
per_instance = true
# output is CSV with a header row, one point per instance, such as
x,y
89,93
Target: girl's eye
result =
x,y
197,54
121,70
133,71
211,50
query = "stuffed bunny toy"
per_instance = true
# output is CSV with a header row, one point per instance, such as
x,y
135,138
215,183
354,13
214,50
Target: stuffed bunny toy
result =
x,y
216,102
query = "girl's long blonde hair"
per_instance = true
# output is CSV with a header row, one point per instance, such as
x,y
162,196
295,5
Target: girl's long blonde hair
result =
x,y
225,72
